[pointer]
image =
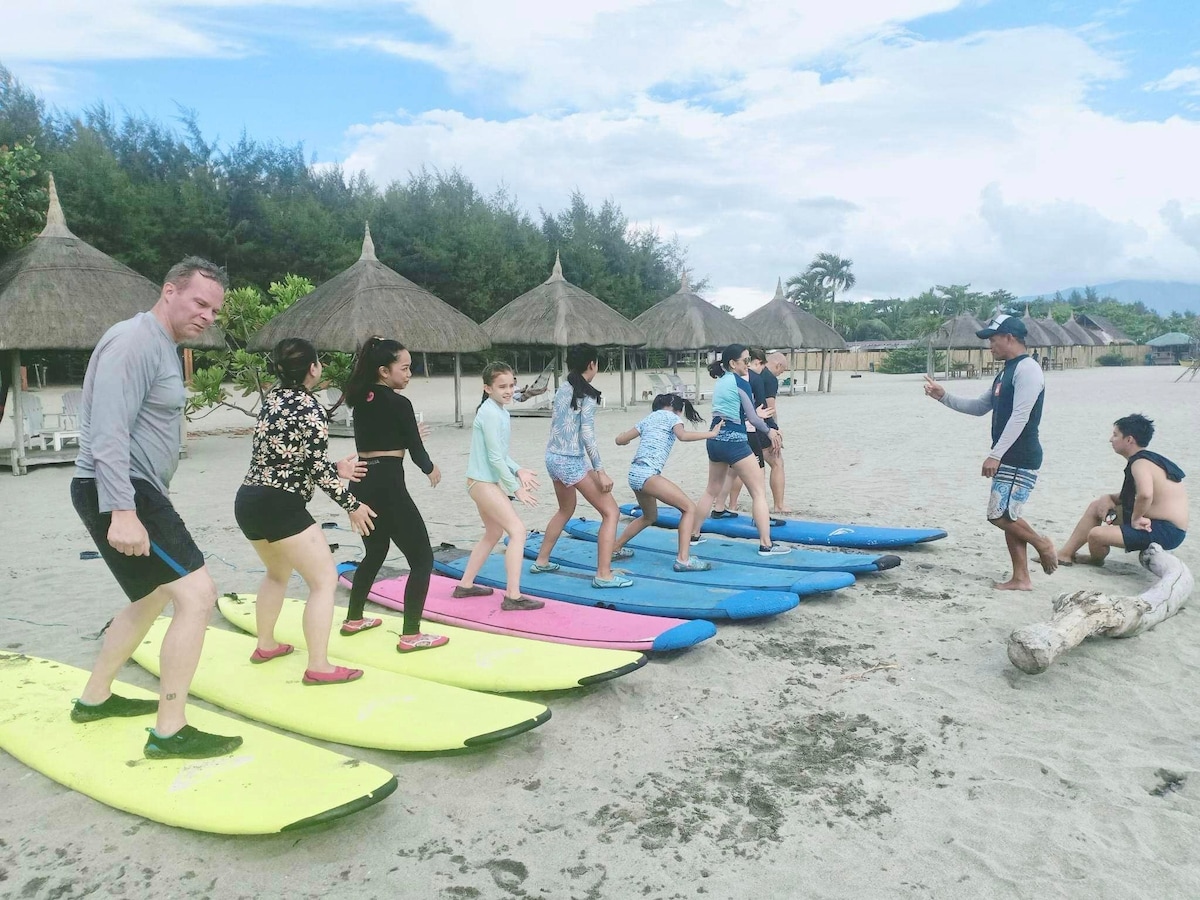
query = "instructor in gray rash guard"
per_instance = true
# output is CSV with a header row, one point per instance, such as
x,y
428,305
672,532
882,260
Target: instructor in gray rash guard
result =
x,y
1015,402
130,418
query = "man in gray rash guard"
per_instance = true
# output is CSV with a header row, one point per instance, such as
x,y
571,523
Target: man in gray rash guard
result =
x,y
1015,402
130,418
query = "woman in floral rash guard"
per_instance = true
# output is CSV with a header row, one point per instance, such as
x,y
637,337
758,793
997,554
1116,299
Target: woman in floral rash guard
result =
x,y
289,459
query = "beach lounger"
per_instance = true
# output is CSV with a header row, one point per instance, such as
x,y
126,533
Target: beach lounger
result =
x,y
59,428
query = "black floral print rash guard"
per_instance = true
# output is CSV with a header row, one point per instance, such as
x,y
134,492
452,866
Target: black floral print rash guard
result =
x,y
291,448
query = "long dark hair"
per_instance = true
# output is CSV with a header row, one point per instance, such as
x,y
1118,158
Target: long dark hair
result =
x,y
730,354
678,404
291,360
490,371
579,357
376,352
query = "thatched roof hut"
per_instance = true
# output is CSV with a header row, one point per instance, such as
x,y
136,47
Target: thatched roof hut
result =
x,y
1038,335
557,313
686,321
1080,336
959,333
1060,335
60,293
369,299
1104,330
782,325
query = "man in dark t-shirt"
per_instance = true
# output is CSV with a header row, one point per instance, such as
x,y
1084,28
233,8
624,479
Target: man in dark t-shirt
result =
x,y
759,443
775,364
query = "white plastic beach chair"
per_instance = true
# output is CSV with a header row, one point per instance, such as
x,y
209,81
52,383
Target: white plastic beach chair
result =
x,y
59,428
33,420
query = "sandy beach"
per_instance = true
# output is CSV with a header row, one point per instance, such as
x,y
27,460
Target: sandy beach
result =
x,y
872,743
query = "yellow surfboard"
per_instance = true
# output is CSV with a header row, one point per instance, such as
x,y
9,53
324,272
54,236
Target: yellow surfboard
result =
x,y
381,710
475,660
271,783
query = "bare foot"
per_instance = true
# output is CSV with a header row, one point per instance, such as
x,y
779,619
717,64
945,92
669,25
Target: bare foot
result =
x,y
1066,560
1047,555
781,512
1014,585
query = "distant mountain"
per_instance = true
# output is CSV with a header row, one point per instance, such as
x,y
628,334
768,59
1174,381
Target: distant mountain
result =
x,y
1164,297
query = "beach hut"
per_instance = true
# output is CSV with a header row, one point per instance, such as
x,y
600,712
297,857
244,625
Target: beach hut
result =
x,y
60,293
958,333
1169,348
1080,337
369,299
686,321
782,325
558,314
1103,330
1039,337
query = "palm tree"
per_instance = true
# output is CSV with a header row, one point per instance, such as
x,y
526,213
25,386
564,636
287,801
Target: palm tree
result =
x,y
834,273
806,291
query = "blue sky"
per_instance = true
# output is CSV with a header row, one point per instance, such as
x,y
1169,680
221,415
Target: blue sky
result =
x,y
1010,143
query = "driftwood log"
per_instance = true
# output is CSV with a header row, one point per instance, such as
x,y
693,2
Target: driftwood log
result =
x,y
1080,615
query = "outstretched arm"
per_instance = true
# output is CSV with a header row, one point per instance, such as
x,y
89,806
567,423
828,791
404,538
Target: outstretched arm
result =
x,y
627,437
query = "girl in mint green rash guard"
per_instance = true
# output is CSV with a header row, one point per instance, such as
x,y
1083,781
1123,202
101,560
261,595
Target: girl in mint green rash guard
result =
x,y
733,402
491,476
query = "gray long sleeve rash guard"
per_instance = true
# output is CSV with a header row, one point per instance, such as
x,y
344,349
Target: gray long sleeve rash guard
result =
x,y
132,409
1028,382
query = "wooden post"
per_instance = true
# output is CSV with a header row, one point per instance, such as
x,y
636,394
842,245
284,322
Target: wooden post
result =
x,y
806,371
697,376
18,450
458,416
425,366
633,394
622,378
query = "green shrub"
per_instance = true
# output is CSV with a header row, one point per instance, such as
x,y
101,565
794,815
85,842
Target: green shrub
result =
x,y
1112,359
909,361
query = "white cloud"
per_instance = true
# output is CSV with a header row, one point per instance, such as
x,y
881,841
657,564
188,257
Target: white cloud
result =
x,y
1186,79
1184,226
975,160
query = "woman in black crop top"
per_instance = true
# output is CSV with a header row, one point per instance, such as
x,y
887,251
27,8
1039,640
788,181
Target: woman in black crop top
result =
x,y
385,428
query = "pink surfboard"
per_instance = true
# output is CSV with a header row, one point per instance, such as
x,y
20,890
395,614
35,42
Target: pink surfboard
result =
x,y
557,622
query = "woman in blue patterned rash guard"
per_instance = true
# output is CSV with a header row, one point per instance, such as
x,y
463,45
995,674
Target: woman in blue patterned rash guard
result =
x,y
573,461
733,401
289,458
658,432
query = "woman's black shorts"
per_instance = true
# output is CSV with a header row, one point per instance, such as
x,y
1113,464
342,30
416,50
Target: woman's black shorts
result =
x,y
270,514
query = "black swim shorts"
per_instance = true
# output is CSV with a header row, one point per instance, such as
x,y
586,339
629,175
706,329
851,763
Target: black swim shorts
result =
x,y
173,553
1166,534
270,514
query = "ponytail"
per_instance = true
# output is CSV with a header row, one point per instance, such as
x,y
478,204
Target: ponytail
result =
x,y
678,404
374,354
579,357
291,360
716,370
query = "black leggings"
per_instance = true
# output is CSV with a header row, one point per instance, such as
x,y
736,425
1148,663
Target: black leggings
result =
x,y
398,521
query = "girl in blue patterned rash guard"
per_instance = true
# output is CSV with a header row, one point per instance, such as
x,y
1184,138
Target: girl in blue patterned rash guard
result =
x,y
290,456
658,432
491,476
573,461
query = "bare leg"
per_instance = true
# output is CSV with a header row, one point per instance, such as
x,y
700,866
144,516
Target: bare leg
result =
x,y
491,535
271,589
648,517
689,516
1018,533
1100,539
751,476
558,521
128,629
604,504
499,517
1092,516
193,598
716,485
777,482
735,490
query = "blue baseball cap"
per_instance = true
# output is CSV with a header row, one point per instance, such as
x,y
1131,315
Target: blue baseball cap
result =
x,y
1004,324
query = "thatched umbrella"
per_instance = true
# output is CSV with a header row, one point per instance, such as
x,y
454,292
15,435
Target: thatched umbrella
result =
x,y
782,325
1080,336
1056,331
686,321
369,299
60,293
1038,335
558,314
959,333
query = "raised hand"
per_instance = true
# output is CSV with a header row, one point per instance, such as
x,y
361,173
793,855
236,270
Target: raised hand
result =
x,y
933,389
352,468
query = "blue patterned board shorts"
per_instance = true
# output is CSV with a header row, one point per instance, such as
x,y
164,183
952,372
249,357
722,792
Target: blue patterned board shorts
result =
x,y
568,470
639,475
1011,487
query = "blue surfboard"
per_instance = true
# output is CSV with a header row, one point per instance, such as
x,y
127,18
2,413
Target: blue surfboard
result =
x,y
581,555
745,553
799,531
650,597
